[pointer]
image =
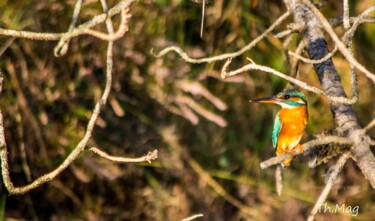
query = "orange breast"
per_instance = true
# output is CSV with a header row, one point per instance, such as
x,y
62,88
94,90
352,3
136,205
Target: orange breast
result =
x,y
294,122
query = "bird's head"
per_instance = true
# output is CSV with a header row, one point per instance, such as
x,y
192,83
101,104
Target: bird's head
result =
x,y
290,98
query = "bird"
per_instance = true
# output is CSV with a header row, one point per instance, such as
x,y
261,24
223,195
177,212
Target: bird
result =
x,y
290,122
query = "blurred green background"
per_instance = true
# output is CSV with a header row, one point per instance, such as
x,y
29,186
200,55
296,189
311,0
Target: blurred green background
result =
x,y
152,105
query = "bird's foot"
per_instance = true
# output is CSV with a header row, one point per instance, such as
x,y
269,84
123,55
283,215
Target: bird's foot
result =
x,y
291,152
300,148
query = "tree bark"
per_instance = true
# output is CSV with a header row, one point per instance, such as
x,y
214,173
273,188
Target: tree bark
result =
x,y
345,118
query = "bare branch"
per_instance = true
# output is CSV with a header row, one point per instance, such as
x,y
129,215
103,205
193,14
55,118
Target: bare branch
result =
x,y
346,20
345,118
62,46
310,61
80,30
186,57
148,157
331,181
90,126
193,216
279,180
304,85
335,22
369,126
294,63
338,21
6,45
123,28
306,146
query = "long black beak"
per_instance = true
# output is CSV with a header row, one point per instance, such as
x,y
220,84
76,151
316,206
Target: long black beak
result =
x,y
271,100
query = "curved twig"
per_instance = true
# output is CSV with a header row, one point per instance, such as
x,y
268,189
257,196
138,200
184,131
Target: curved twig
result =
x,y
186,57
120,159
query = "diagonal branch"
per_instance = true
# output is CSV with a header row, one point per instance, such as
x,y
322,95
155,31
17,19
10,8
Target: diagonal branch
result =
x,y
347,123
306,146
331,181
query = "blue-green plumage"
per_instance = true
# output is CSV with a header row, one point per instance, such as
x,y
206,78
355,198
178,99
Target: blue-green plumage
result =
x,y
293,93
276,130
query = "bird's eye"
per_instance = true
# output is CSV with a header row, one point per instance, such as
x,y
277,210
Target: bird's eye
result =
x,y
286,96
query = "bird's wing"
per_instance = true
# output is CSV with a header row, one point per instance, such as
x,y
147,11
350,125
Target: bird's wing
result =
x,y
276,130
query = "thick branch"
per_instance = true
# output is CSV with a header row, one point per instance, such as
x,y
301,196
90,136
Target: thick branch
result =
x,y
345,118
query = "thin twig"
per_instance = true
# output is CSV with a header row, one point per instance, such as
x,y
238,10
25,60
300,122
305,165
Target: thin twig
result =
x,y
334,22
369,126
285,33
346,20
203,14
295,62
123,28
338,21
311,61
331,181
63,45
120,159
25,165
279,180
6,45
186,57
193,216
306,146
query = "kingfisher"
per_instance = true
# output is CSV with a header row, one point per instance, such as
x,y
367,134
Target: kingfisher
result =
x,y
290,122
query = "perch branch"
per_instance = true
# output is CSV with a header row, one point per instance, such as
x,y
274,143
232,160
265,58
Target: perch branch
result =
x,y
306,146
